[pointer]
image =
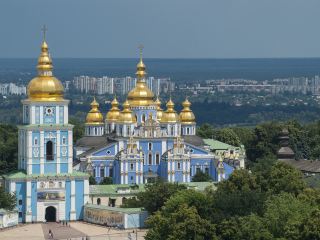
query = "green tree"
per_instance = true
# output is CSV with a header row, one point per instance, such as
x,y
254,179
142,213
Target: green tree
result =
x,y
205,131
92,180
201,177
156,194
8,148
310,228
284,178
78,130
106,181
250,227
183,224
227,135
7,200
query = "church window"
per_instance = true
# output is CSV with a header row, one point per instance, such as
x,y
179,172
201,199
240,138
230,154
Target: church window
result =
x,y
98,201
60,184
131,166
157,158
198,170
36,141
179,166
20,202
101,171
108,152
131,178
110,172
94,172
191,150
150,146
20,214
150,159
187,131
49,150
143,117
64,140
206,170
95,131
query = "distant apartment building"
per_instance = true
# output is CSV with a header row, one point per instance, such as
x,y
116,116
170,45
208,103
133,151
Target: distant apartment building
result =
x,y
12,89
120,86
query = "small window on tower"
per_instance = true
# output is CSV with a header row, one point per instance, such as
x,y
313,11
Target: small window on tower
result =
x,y
150,146
179,165
36,141
64,140
49,150
131,166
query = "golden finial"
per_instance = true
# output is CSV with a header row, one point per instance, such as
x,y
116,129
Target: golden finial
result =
x,y
94,116
44,30
141,73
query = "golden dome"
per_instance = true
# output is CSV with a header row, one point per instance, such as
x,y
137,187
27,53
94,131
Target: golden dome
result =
x,y
141,95
45,87
94,116
170,115
186,115
159,109
126,116
114,113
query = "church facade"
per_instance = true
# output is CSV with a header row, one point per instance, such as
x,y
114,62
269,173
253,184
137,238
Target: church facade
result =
x,y
142,141
46,186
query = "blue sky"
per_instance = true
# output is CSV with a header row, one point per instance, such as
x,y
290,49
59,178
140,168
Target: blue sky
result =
x,y
167,28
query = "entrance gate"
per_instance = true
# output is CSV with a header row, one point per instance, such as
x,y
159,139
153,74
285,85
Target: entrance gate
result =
x,y
51,214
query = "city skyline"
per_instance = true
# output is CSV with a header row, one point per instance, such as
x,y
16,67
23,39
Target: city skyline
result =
x,y
113,29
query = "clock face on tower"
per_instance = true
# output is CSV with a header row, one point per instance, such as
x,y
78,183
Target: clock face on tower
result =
x,y
49,114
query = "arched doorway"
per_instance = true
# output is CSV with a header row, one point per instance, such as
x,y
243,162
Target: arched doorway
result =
x,y
51,214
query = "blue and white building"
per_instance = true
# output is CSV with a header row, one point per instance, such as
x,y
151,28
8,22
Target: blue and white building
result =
x,y
46,186
142,142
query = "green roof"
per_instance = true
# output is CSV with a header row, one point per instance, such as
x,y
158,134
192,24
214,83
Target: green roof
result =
x,y
115,209
217,145
23,175
115,189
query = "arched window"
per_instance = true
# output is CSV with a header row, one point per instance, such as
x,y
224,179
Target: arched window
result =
x,y
49,150
157,158
150,159
149,146
143,117
187,131
98,201
95,131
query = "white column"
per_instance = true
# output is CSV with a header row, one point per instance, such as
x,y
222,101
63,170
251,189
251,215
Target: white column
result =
x,y
126,176
41,152
70,151
58,152
86,191
169,171
173,169
57,115
137,172
122,172
65,114
183,171
12,187
29,152
141,170
41,114
28,202
163,147
188,169
73,201
33,114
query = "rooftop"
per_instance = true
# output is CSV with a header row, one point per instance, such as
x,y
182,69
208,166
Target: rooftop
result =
x,y
115,209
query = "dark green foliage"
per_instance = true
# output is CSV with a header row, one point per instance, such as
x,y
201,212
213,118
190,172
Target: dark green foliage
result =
x,y
78,130
227,135
7,200
205,131
92,180
201,177
8,148
106,181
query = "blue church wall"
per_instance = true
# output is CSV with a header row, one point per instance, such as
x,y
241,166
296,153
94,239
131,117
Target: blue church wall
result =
x,y
131,177
50,168
36,169
227,170
68,199
196,150
163,170
20,195
117,172
107,151
79,199
63,167
34,199
140,112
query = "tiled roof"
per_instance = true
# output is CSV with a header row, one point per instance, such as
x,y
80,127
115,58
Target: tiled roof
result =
x,y
217,145
304,165
23,175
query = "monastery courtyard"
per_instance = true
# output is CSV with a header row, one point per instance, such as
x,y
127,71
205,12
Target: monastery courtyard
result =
x,y
77,231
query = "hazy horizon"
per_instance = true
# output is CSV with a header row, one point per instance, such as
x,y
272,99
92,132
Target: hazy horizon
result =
x,y
180,29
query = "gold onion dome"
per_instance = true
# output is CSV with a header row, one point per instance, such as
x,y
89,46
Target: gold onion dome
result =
x,y
114,113
126,116
45,87
186,115
170,115
94,116
159,109
141,95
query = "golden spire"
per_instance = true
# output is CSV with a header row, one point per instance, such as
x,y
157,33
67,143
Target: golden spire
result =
x,y
45,87
186,115
159,109
114,113
170,115
126,116
141,95
94,116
